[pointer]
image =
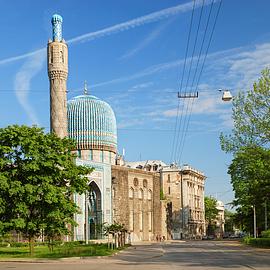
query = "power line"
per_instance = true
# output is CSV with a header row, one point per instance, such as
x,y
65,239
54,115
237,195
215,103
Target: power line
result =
x,y
178,145
182,79
209,43
185,127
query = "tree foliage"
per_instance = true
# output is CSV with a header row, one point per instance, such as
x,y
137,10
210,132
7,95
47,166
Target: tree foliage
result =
x,y
250,176
38,176
249,143
251,117
210,207
230,220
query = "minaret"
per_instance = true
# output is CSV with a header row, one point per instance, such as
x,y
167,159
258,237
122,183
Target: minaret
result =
x,y
57,52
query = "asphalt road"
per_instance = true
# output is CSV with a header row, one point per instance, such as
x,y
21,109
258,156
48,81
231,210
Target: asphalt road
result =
x,y
199,255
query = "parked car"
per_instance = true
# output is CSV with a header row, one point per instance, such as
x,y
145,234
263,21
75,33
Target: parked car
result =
x,y
208,237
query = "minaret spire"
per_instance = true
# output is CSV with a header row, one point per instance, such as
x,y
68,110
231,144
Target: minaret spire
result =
x,y
57,21
85,90
57,51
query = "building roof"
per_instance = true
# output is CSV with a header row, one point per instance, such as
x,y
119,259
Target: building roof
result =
x,y
92,123
148,165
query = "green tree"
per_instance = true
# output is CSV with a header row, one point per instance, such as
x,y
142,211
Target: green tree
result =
x,y
211,211
250,178
249,143
251,117
118,231
250,175
38,177
230,222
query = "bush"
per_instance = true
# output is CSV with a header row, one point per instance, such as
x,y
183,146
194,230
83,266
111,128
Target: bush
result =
x,y
19,244
257,242
266,234
4,244
74,243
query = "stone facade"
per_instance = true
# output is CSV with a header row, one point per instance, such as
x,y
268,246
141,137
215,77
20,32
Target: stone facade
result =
x,y
136,202
182,197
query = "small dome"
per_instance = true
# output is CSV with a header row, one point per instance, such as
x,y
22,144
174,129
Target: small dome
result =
x,y
92,123
57,18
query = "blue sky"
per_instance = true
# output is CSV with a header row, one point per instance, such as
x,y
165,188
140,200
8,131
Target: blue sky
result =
x,y
132,55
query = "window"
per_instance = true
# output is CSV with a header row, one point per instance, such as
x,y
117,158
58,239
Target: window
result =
x,y
140,194
141,220
51,55
150,221
90,154
101,156
144,183
113,193
169,178
149,195
131,220
169,190
131,193
79,153
135,182
62,56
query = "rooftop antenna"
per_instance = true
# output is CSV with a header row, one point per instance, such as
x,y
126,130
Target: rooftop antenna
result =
x,y
85,90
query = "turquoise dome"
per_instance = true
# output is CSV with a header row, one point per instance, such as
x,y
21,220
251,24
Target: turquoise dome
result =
x,y
92,123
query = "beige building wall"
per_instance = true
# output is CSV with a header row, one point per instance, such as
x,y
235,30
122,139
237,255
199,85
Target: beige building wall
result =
x,y
185,190
136,202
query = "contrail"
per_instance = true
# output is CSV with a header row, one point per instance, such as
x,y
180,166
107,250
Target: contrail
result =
x,y
150,18
23,79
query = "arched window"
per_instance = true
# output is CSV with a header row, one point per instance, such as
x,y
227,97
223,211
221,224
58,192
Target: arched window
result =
x,y
94,210
135,182
149,194
144,183
131,193
140,194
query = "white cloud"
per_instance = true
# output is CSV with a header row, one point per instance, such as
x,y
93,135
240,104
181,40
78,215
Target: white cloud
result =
x,y
37,57
23,79
152,17
153,35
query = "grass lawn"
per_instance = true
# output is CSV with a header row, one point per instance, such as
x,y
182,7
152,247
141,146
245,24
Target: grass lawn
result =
x,y
58,251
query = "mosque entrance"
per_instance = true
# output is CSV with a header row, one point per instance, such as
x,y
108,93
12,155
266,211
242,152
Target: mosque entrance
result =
x,y
95,212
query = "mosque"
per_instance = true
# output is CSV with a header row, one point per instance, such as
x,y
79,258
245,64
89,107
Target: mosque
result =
x,y
150,198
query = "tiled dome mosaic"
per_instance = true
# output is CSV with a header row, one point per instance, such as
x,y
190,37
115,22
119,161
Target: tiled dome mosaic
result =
x,y
92,123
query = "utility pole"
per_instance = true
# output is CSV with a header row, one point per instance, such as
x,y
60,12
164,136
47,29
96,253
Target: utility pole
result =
x,y
182,203
86,231
265,216
254,221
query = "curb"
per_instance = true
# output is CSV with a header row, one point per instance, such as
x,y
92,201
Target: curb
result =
x,y
60,260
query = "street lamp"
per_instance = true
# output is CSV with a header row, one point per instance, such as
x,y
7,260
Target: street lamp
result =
x,y
226,95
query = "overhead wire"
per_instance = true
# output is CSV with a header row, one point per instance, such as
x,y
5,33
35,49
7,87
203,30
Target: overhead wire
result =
x,y
178,145
193,80
201,70
182,79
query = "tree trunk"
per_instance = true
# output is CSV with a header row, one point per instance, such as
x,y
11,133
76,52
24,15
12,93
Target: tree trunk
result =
x,y
31,245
